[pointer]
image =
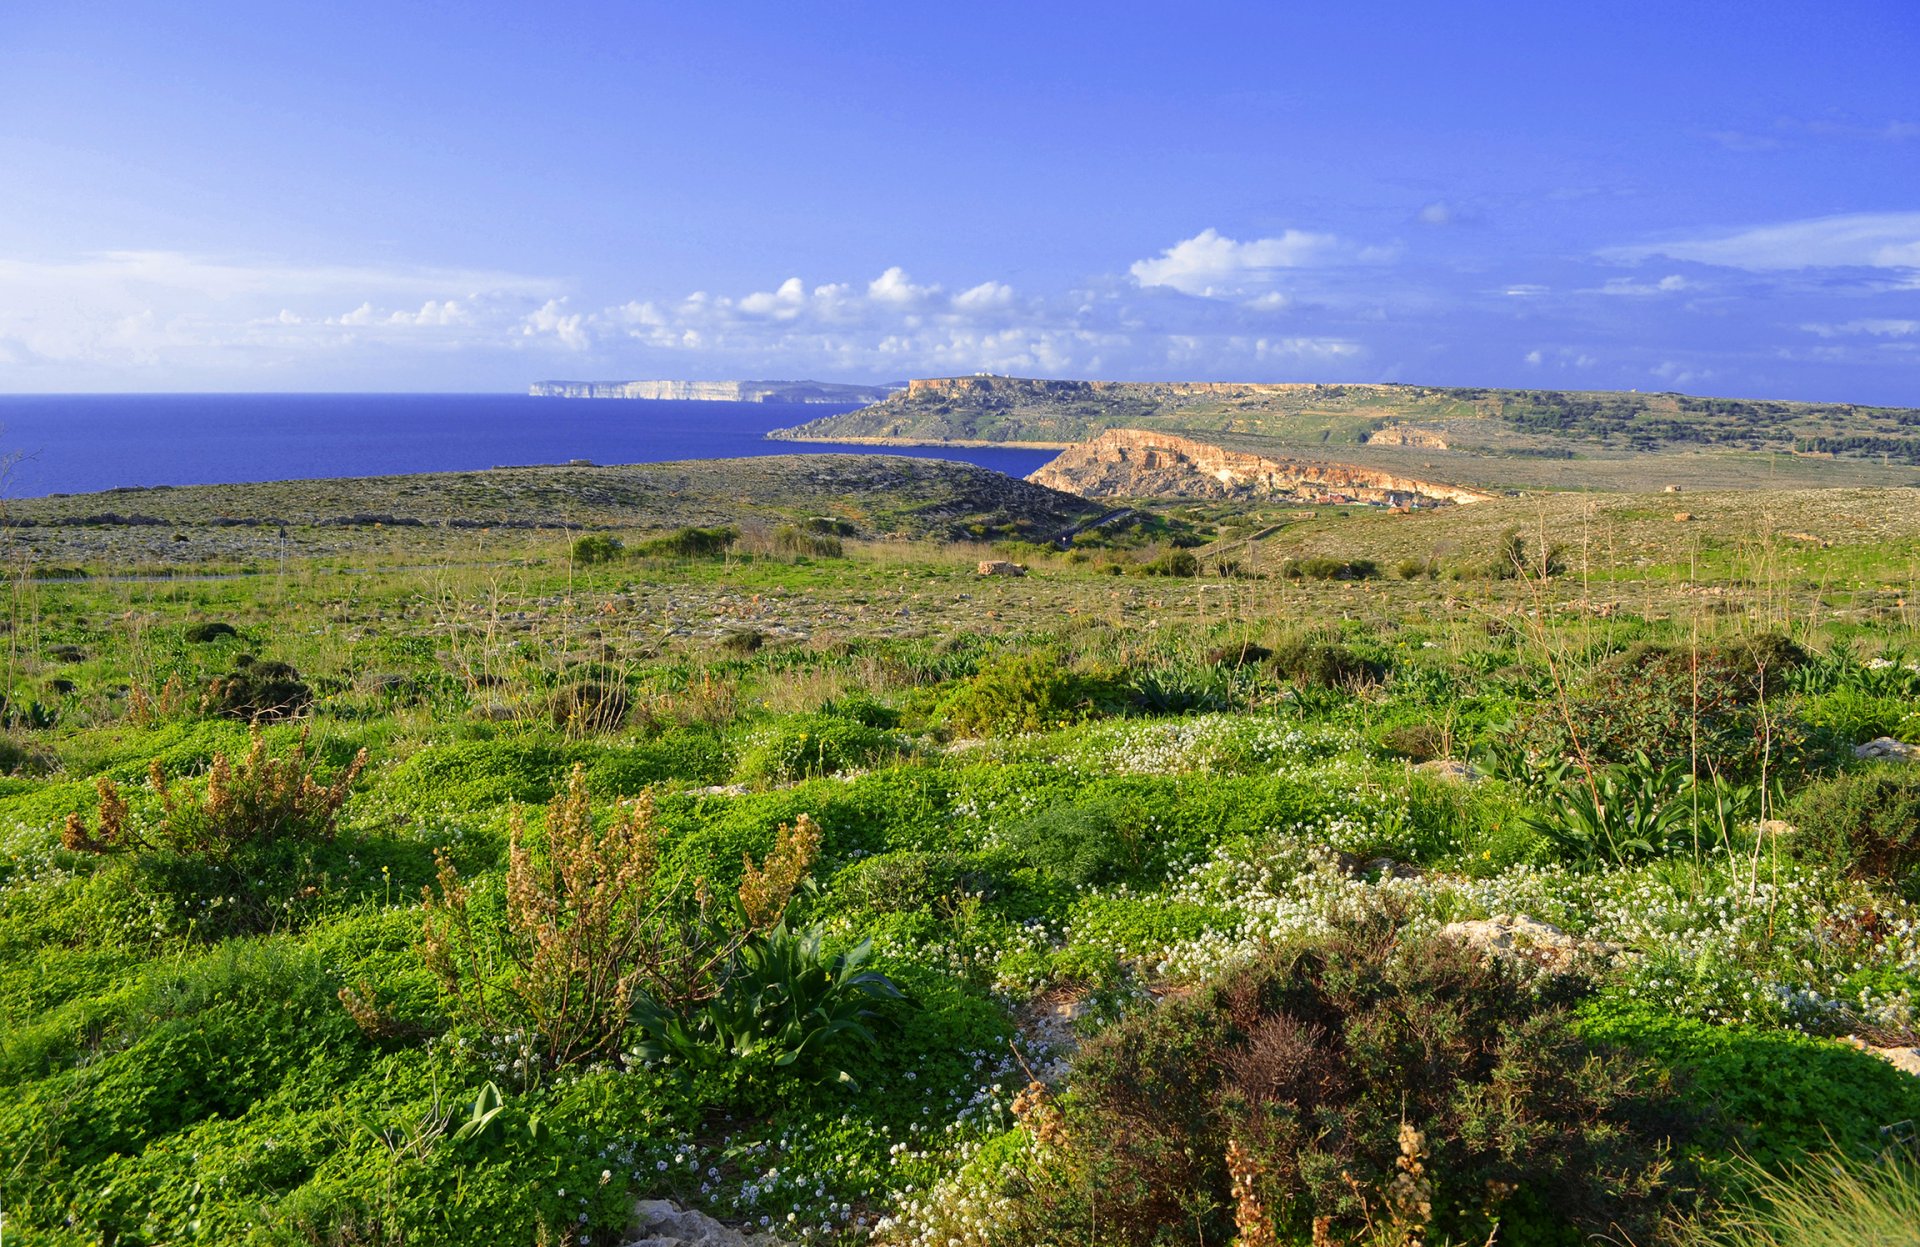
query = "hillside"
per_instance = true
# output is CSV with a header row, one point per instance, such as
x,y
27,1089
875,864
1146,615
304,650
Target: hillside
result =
x,y
875,495
1517,424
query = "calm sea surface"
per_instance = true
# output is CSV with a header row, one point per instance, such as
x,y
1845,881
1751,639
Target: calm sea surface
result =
x,y
77,443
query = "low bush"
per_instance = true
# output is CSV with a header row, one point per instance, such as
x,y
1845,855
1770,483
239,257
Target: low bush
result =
x,y
1369,1083
1325,664
258,690
588,932
204,633
1181,563
1320,567
597,548
1866,821
814,744
1026,692
1080,842
692,543
255,800
586,706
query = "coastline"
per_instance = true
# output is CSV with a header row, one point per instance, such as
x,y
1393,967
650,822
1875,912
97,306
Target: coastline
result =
x,y
780,435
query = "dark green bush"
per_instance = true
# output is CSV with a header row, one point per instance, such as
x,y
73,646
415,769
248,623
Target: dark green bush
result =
x,y
1311,1058
1238,654
588,706
597,548
910,880
202,633
1866,821
259,689
1081,842
1673,704
1417,742
1320,567
1783,1095
1325,664
692,543
1025,692
1173,563
814,744
792,539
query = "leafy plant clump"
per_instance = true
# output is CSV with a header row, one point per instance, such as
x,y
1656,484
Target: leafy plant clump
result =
x,y
1025,692
580,707
588,935
597,548
255,801
1318,663
692,543
1370,1082
258,690
1867,822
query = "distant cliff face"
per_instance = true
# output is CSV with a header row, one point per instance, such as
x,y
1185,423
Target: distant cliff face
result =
x,y
1129,463
716,391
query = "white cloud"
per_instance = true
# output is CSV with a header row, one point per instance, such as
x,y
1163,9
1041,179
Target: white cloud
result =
x,y
1212,265
1670,284
1533,357
1525,290
1437,213
1853,240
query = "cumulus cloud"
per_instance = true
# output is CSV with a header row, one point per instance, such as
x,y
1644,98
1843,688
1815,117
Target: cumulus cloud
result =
x,y
1888,240
1211,265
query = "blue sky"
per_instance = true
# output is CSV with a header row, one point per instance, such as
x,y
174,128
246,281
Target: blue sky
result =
x,y
1721,198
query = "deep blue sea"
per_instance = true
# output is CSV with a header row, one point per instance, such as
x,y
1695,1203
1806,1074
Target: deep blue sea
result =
x,y
76,443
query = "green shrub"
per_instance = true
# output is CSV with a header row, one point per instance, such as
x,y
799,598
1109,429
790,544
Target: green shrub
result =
x,y
203,633
1866,821
692,543
1321,567
1080,842
813,744
1334,1081
1784,1095
597,548
1325,664
1181,563
793,540
910,880
584,706
258,689
1025,692
1670,704
783,1004
1417,742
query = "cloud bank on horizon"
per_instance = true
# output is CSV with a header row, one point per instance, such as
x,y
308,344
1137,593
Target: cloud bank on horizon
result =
x,y
1502,235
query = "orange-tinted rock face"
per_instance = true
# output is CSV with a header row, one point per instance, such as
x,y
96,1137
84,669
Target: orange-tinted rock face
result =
x,y
1130,463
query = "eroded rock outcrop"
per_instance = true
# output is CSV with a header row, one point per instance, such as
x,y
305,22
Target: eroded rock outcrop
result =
x,y
1131,463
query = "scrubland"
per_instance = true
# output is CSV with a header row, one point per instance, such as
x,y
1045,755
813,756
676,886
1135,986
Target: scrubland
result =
x,y
472,890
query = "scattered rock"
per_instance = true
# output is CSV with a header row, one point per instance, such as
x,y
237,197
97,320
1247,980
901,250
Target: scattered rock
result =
x,y
1451,769
494,712
1530,940
67,653
719,790
1386,868
1888,747
1673,489
1000,567
1682,517
1770,827
663,1223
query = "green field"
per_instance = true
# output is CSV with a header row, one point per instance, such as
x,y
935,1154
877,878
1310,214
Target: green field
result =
x,y
528,844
